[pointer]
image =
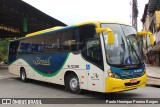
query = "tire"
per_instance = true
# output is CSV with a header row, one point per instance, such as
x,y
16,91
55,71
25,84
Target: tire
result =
x,y
72,84
23,75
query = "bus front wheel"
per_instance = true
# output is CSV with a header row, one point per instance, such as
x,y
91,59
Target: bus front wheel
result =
x,y
72,83
23,75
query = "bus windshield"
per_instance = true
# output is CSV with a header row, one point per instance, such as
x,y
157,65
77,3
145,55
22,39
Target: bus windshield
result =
x,y
125,51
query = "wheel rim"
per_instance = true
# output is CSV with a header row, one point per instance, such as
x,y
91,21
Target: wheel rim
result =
x,y
23,75
74,84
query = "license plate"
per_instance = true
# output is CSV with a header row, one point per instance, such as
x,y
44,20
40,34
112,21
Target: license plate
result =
x,y
133,81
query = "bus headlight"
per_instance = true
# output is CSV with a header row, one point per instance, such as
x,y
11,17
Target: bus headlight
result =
x,y
112,74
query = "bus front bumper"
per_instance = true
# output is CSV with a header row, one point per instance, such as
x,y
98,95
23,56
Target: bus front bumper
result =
x,y
116,85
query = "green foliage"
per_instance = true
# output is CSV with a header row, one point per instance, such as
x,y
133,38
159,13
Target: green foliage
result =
x,y
4,49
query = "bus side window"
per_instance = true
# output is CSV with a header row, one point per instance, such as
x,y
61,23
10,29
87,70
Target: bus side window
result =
x,y
13,48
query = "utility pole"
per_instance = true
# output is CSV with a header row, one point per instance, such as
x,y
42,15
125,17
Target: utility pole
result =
x,y
134,13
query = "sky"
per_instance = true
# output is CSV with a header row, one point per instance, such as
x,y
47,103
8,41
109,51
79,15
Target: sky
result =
x,y
76,11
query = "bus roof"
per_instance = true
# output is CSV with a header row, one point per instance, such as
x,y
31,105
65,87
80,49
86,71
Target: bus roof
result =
x,y
43,31
96,23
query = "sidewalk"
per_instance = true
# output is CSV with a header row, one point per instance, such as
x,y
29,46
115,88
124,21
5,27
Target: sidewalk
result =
x,y
153,73
4,70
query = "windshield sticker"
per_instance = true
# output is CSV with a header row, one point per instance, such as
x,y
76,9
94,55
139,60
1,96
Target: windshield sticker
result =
x,y
128,60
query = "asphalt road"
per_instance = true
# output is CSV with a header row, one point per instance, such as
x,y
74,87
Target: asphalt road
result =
x,y
12,87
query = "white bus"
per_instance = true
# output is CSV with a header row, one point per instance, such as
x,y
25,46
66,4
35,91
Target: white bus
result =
x,y
97,56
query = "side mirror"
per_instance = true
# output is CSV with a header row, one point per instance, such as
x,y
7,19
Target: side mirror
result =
x,y
110,34
147,33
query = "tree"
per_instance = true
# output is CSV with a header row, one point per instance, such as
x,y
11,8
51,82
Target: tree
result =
x,y
4,49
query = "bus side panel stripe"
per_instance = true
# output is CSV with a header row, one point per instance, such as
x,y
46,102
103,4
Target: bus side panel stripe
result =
x,y
48,67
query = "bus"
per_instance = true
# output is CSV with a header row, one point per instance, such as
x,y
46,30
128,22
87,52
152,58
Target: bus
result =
x,y
96,56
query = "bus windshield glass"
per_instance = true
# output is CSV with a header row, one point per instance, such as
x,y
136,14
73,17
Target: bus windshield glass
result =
x,y
125,51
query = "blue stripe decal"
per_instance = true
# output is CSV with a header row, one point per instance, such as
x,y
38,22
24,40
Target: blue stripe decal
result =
x,y
47,64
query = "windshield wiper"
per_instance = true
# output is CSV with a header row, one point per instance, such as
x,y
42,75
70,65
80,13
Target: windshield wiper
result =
x,y
134,51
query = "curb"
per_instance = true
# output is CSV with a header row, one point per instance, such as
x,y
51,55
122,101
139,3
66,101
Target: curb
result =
x,y
153,85
3,66
153,82
153,77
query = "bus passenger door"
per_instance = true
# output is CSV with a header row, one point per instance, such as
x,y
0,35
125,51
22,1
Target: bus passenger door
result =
x,y
94,64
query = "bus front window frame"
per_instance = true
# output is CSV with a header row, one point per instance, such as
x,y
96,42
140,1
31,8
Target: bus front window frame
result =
x,y
127,60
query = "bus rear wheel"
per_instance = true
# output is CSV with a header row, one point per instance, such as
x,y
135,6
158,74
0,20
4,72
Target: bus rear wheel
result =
x,y
23,75
72,84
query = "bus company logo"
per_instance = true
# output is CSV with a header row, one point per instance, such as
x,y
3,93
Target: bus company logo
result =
x,y
95,76
39,61
137,71
125,73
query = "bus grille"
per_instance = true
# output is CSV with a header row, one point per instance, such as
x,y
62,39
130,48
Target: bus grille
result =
x,y
131,76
